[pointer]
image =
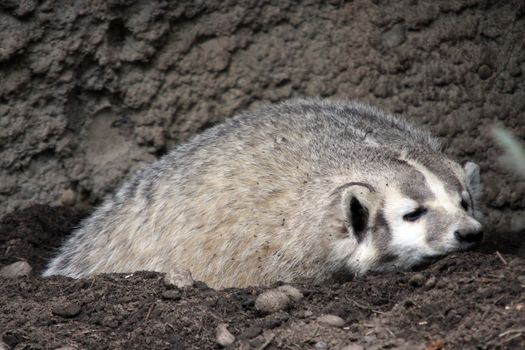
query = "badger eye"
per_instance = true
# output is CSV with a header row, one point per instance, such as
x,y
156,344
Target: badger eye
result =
x,y
415,215
464,204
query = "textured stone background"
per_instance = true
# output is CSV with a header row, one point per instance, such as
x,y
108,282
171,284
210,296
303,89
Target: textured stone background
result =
x,y
91,90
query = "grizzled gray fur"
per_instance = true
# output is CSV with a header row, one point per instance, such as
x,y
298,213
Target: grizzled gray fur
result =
x,y
291,192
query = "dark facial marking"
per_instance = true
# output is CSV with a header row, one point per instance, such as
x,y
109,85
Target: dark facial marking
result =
x,y
442,168
416,187
464,204
359,218
471,200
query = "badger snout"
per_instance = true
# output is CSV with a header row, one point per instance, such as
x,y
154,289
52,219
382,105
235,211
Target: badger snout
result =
x,y
468,232
469,236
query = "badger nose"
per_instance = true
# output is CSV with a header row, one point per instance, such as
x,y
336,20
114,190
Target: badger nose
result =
x,y
467,236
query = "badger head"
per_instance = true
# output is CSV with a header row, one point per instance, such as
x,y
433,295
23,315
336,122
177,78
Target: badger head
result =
x,y
408,214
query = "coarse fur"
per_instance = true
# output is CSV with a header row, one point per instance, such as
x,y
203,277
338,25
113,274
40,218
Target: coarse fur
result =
x,y
291,192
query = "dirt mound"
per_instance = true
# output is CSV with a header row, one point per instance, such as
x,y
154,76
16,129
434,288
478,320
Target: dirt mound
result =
x,y
33,234
468,300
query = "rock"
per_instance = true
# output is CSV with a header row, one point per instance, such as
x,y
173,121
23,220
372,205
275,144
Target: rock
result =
x,y
251,332
521,279
331,320
67,310
353,347
172,294
484,72
272,301
67,198
292,292
179,278
110,322
3,346
275,320
223,337
417,280
305,314
321,345
370,339
430,283
395,36
17,269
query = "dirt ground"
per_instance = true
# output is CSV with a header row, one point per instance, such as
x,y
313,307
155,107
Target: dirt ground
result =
x,y
90,91
471,300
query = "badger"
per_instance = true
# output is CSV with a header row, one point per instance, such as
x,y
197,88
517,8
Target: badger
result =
x,y
293,192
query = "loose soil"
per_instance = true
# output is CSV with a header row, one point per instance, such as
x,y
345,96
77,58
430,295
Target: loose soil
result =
x,y
92,90
472,300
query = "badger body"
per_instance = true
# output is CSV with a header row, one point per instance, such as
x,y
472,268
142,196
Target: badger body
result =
x,y
291,192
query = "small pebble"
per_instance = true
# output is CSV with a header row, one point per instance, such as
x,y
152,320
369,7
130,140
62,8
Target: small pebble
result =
x,y
331,320
321,345
171,294
223,336
370,339
292,292
110,322
305,314
179,278
17,269
272,301
244,345
67,310
275,320
431,282
484,72
353,347
251,332
417,280
443,283
395,36
67,198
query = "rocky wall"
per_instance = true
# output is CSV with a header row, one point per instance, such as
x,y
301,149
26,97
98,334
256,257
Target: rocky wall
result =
x,y
93,90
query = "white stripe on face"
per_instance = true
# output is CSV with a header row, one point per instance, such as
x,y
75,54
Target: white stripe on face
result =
x,y
408,238
449,202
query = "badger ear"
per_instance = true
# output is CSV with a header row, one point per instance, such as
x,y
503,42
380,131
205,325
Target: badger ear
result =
x,y
474,188
473,180
357,204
